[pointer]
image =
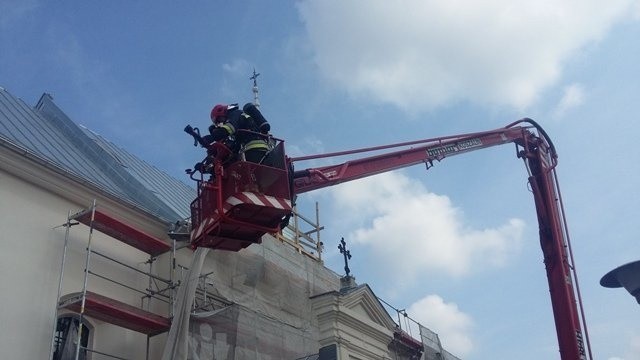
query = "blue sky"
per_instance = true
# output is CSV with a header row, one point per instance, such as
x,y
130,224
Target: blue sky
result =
x,y
457,244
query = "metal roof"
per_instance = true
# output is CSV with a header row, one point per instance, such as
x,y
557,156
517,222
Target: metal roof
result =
x,y
172,192
47,132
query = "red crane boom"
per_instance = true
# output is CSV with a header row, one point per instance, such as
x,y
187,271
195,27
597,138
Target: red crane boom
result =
x,y
540,158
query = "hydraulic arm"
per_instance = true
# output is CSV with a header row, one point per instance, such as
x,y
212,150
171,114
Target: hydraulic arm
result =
x,y
536,149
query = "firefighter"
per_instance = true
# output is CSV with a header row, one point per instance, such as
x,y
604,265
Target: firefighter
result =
x,y
245,131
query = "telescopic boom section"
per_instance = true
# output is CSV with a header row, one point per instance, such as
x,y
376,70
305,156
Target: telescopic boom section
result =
x,y
541,162
424,151
540,158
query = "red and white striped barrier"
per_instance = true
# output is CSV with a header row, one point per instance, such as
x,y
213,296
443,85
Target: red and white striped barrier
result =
x,y
240,199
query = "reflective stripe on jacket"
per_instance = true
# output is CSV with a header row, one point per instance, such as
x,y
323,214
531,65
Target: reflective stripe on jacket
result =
x,y
256,144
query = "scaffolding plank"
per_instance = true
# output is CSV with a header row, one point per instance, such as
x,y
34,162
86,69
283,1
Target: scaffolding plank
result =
x,y
117,313
124,232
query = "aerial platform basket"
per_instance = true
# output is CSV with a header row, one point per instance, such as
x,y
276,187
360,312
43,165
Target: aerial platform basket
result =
x,y
241,202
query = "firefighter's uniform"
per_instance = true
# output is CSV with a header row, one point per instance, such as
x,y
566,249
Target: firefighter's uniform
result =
x,y
229,123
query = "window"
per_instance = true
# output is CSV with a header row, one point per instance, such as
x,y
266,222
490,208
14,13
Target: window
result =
x,y
66,338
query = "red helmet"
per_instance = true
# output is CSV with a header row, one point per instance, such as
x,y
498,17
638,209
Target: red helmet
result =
x,y
219,111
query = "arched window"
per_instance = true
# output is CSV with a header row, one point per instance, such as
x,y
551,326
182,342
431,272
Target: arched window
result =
x,y
66,338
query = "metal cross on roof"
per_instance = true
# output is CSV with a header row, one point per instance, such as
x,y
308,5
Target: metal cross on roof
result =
x,y
346,253
254,77
256,99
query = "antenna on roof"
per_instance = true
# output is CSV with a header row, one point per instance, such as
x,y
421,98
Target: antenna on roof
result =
x,y
256,100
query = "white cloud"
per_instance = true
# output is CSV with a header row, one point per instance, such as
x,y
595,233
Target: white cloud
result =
x,y
237,67
427,232
572,97
423,54
452,325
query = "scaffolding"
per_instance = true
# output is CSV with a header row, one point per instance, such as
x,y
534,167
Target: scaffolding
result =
x,y
87,303
303,234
